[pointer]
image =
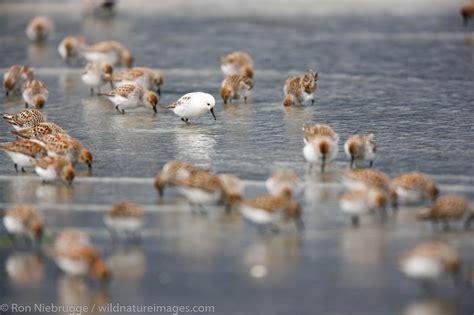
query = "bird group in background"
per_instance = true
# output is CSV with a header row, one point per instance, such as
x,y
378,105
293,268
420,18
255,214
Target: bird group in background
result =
x,y
54,155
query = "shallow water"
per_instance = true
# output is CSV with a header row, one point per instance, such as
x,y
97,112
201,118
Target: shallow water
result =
x,y
403,73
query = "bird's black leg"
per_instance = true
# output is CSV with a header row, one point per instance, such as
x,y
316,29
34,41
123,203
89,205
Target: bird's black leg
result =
x,y
312,102
16,168
245,99
355,220
26,104
23,170
92,91
117,108
371,163
352,161
123,111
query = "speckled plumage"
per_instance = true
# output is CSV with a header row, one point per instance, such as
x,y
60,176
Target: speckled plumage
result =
x,y
360,148
24,118
16,76
236,87
238,62
38,131
299,89
36,93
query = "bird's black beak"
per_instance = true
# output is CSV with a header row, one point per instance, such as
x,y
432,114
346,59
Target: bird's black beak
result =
x,y
212,112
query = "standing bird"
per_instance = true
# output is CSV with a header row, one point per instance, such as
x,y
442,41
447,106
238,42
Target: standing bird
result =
x,y
363,201
360,148
299,89
428,262
124,218
24,221
171,172
193,105
310,131
146,77
38,131
39,28
233,190
237,62
71,46
25,118
23,152
414,187
447,209
79,258
15,78
366,178
235,87
97,74
321,145
467,12
201,188
280,180
111,52
61,144
52,168
268,211
130,96
36,94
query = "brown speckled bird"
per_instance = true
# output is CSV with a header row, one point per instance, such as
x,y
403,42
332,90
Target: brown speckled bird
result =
x,y
449,208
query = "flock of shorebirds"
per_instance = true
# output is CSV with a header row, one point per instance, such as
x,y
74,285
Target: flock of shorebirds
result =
x,y
54,155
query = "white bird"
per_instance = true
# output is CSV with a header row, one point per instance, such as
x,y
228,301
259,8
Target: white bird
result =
x,y
97,74
320,150
193,105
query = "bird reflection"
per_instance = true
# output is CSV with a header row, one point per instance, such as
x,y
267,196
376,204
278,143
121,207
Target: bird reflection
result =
x,y
432,306
25,268
195,242
128,263
364,246
193,144
69,82
39,53
275,256
54,192
232,112
76,291
320,187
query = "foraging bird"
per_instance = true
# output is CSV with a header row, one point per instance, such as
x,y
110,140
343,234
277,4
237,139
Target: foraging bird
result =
x,y
25,118
23,152
447,209
428,262
238,62
193,105
414,187
131,96
39,28
300,89
171,172
16,77
24,220
360,148
36,93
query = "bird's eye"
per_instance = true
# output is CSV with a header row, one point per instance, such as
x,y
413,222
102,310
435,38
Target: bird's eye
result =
x,y
208,104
